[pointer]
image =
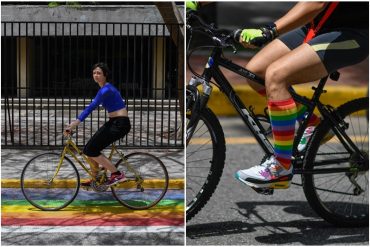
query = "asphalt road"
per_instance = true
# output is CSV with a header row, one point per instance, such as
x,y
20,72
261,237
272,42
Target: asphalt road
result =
x,y
236,215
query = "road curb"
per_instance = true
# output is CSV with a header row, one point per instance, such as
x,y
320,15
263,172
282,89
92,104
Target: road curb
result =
x,y
335,96
177,184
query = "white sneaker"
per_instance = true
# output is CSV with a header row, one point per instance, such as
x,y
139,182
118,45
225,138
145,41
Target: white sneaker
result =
x,y
269,174
307,136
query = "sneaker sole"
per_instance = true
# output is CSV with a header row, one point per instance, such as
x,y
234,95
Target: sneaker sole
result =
x,y
274,185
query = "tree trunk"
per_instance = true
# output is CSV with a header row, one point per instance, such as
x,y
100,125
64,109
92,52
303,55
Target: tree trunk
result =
x,y
171,15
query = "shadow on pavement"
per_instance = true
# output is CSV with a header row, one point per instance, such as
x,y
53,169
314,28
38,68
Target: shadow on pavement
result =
x,y
311,231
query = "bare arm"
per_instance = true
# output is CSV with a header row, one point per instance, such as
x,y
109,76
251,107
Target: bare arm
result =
x,y
301,14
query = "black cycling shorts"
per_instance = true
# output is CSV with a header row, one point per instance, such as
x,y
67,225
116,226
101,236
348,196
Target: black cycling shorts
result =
x,y
110,132
337,48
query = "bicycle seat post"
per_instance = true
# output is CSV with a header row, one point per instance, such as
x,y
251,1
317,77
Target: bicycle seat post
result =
x,y
319,89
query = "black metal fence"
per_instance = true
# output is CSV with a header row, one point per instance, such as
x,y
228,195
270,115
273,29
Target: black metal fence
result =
x,y
46,81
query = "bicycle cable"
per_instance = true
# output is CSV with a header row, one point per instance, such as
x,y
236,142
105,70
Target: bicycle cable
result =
x,y
190,53
206,33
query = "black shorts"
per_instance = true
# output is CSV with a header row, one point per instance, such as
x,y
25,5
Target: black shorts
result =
x,y
337,48
110,132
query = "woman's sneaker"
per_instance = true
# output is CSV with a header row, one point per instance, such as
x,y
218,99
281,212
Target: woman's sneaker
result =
x,y
269,174
307,136
116,178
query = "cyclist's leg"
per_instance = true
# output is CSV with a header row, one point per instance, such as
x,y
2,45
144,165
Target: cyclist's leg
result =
x,y
105,162
110,132
298,66
270,53
94,167
259,63
309,62
276,172
96,144
322,55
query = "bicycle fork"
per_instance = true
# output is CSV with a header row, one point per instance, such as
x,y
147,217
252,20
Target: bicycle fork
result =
x,y
58,167
198,100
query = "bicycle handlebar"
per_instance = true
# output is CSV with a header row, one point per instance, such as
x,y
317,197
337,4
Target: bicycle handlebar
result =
x,y
69,134
221,37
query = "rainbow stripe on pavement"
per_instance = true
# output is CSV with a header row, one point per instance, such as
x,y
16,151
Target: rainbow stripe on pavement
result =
x,y
91,210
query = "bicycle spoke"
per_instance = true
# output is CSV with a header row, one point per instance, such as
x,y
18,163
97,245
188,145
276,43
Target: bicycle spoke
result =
x,y
341,198
147,191
45,189
204,162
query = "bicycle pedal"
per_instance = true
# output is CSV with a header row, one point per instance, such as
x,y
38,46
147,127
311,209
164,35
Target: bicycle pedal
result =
x,y
264,191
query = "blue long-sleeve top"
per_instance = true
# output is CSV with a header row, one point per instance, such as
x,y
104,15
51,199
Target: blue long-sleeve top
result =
x,y
109,97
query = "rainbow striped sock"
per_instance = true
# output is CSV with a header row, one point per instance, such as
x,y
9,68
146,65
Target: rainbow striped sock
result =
x,y
301,110
283,114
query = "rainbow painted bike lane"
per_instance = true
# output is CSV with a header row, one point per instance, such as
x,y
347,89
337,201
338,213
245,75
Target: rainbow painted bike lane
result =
x,y
92,214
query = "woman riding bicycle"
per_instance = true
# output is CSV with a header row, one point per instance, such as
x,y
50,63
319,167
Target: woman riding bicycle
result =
x,y
117,127
311,41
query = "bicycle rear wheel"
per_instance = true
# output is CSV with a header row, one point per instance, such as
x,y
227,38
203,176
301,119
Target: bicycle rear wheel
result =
x,y
341,198
205,160
145,188
43,193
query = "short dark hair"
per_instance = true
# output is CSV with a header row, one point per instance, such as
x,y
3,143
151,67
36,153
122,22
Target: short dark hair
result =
x,y
104,67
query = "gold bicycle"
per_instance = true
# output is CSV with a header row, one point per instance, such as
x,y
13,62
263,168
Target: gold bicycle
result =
x,y
51,181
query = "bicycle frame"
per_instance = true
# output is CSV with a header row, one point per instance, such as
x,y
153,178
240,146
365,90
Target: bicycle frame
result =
x,y
71,148
212,70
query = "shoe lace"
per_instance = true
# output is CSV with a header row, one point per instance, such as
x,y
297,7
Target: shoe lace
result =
x,y
269,162
309,130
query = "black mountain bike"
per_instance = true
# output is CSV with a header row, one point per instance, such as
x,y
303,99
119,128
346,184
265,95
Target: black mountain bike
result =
x,y
334,175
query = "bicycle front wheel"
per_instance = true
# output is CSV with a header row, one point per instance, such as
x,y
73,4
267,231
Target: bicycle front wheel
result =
x,y
205,160
341,198
46,193
146,184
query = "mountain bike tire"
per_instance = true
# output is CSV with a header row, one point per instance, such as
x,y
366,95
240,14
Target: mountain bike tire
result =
x,y
215,146
332,196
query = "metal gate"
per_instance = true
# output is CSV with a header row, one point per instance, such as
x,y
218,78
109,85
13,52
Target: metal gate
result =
x,y
46,81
